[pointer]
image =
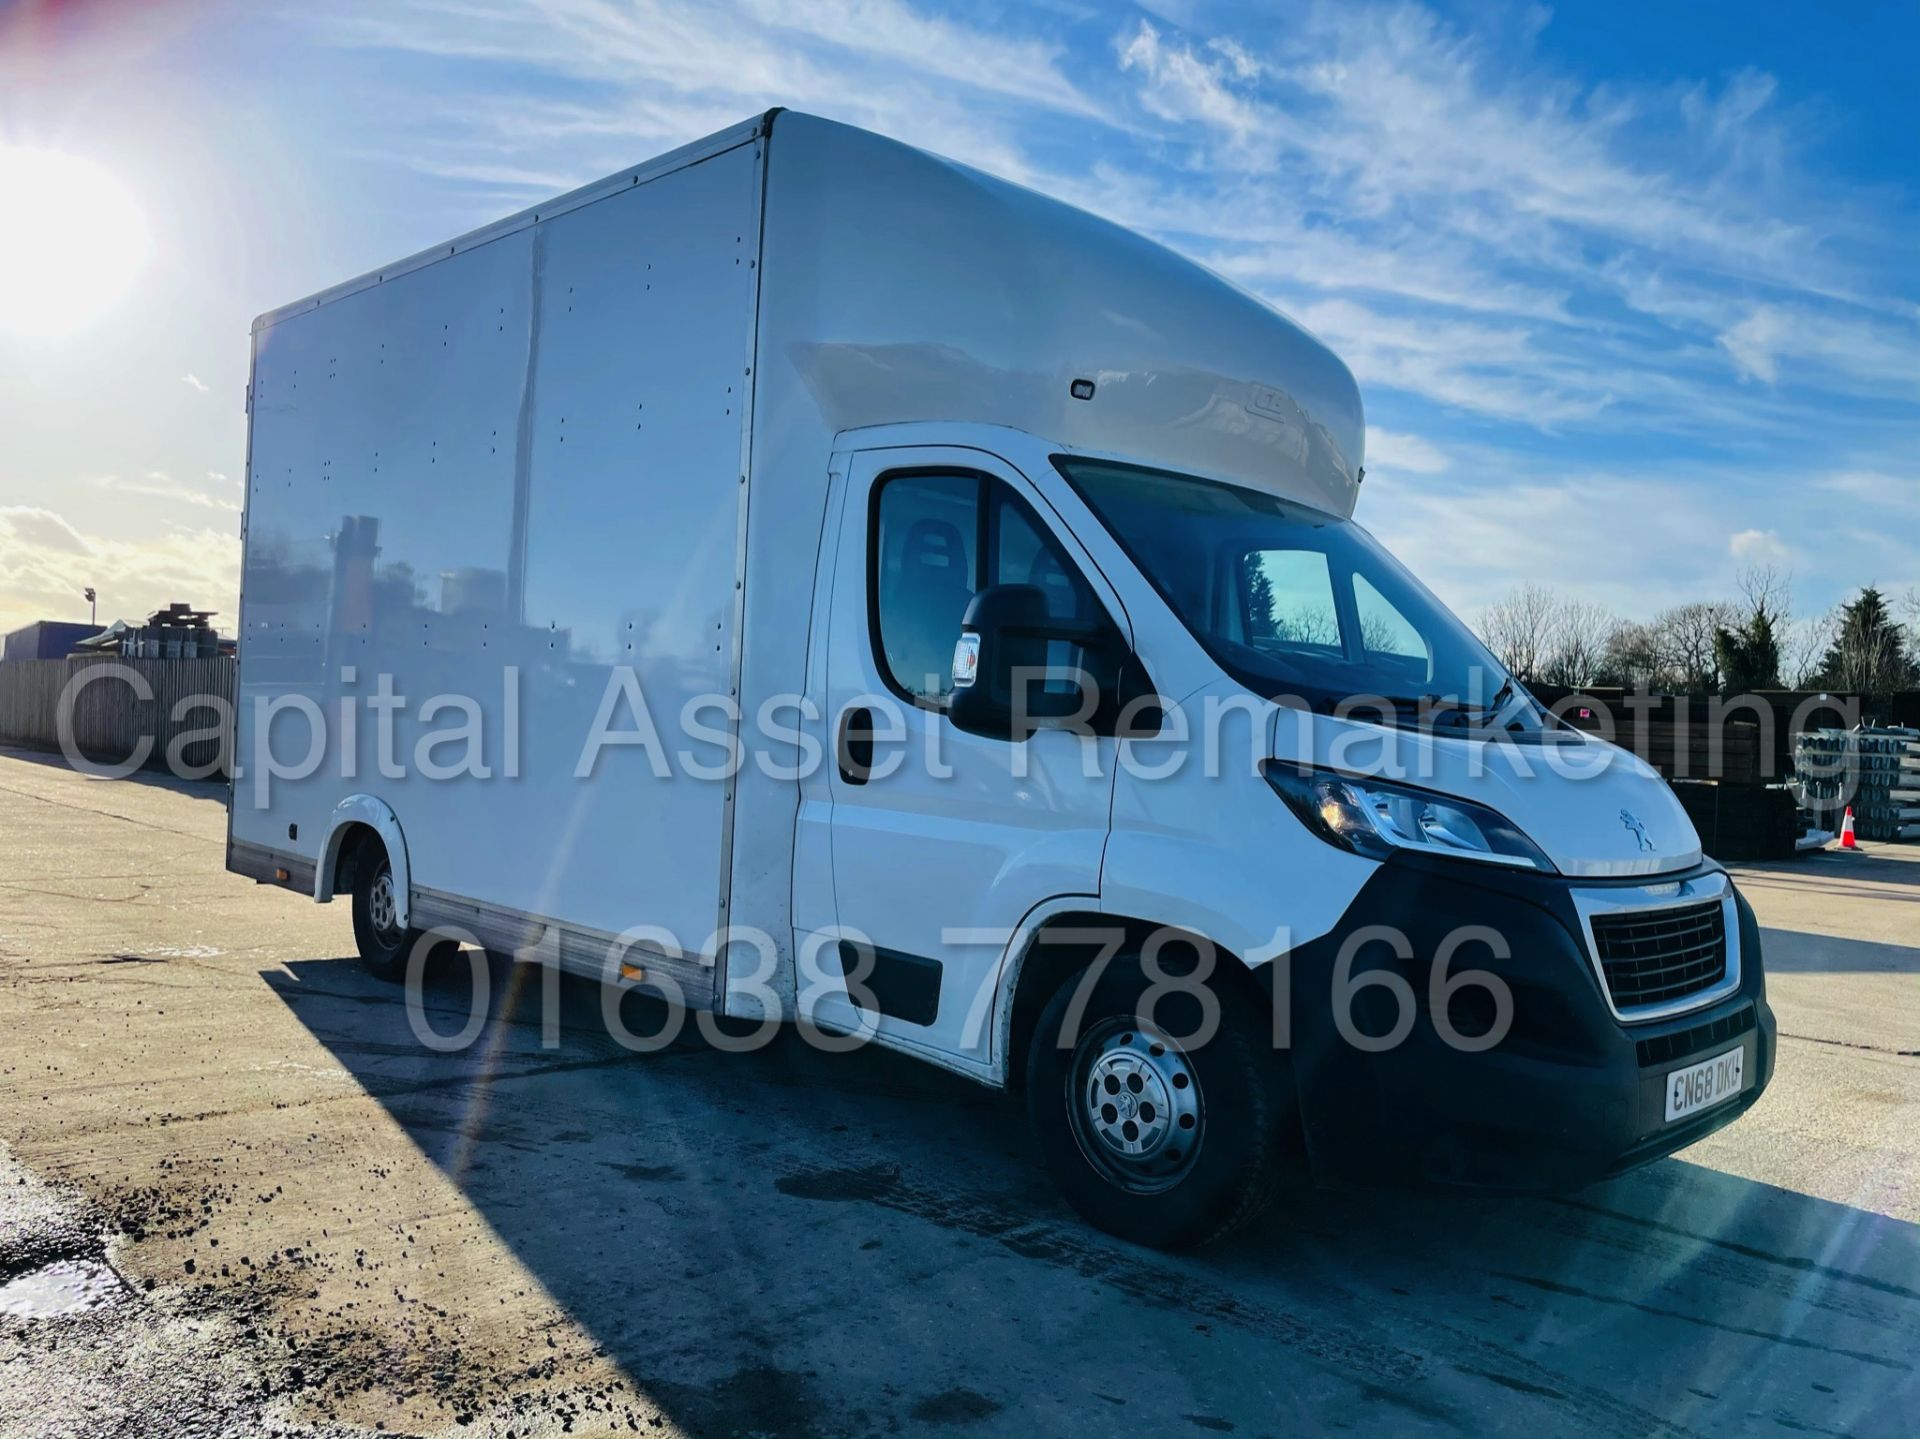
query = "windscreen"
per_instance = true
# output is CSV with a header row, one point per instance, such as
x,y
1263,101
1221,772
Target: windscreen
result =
x,y
1291,602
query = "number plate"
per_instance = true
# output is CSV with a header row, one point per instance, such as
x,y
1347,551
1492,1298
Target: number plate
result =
x,y
1703,1085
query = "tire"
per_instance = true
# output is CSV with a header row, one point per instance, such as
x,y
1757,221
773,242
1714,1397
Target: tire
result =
x,y
1208,1120
383,946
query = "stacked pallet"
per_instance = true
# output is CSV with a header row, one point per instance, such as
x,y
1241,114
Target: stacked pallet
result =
x,y
1729,750
1876,771
1728,753
1741,821
1677,735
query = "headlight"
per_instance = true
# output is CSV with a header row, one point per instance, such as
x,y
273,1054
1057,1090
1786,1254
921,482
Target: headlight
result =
x,y
1374,818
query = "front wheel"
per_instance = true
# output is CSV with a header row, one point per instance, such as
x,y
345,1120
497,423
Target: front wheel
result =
x,y
1162,1140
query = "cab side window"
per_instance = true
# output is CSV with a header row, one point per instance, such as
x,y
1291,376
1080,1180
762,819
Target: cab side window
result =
x,y
936,541
926,567
1021,553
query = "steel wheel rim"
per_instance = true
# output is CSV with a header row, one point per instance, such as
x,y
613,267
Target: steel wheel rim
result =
x,y
382,908
1134,1103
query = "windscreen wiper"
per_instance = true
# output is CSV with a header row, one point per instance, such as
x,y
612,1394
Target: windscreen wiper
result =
x,y
1500,697
1429,706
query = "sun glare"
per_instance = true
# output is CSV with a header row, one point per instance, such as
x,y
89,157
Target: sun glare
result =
x,y
72,240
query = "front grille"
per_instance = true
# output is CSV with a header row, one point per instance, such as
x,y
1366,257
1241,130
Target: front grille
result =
x,y
1665,1048
1657,955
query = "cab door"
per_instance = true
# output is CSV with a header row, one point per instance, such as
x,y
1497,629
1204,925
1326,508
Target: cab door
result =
x,y
943,842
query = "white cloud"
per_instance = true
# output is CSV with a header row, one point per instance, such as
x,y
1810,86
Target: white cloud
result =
x,y
1758,547
897,35
1468,364
671,70
1392,450
1389,105
1840,343
1631,539
1752,344
1892,498
46,563
28,525
1275,252
194,382
158,484
1376,148
1473,543
1180,83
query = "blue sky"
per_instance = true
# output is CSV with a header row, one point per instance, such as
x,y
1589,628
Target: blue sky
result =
x,y
1632,290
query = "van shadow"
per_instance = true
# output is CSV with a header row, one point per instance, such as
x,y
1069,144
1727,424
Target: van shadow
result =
x,y
790,1242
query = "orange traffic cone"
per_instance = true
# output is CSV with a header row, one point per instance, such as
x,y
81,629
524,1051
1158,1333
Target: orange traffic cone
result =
x,y
1847,841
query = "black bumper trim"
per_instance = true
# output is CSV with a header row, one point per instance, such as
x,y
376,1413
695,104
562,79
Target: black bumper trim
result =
x,y
1569,1096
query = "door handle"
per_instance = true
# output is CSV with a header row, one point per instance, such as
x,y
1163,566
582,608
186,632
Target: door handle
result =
x,y
854,746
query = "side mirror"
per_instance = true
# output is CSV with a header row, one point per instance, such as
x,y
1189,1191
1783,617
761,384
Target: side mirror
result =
x,y
1006,685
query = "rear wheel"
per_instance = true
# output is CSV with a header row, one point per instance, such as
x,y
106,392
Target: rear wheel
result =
x,y
1161,1142
384,943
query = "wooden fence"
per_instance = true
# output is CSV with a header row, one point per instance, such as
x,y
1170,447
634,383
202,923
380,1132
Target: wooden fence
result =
x,y
178,713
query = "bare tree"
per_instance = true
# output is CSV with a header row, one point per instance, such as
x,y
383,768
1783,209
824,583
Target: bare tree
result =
x,y
1685,636
1631,657
1766,590
1578,643
1545,637
1806,647
1519,629
1747,642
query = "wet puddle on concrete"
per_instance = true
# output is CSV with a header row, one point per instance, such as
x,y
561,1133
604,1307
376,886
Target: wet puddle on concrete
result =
x,y
70,1286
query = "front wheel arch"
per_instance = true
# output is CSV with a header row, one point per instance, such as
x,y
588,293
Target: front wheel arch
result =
x,y
1048,958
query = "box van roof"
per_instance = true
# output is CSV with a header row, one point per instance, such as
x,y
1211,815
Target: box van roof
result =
x,y
903,286
899,286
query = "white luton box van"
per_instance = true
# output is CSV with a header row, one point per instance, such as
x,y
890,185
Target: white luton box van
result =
x,y
814,581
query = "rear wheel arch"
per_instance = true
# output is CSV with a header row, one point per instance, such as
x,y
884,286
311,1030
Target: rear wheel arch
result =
x,y
356,822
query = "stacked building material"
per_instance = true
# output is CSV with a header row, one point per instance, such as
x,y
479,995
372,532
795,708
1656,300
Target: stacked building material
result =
x,y
1738,822
1876,771
1676,735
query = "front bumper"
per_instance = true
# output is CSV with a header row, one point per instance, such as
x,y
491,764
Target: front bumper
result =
x,y
1571,1094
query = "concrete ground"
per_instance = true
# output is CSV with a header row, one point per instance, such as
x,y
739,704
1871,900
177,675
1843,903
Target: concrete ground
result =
x,y
238,1196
